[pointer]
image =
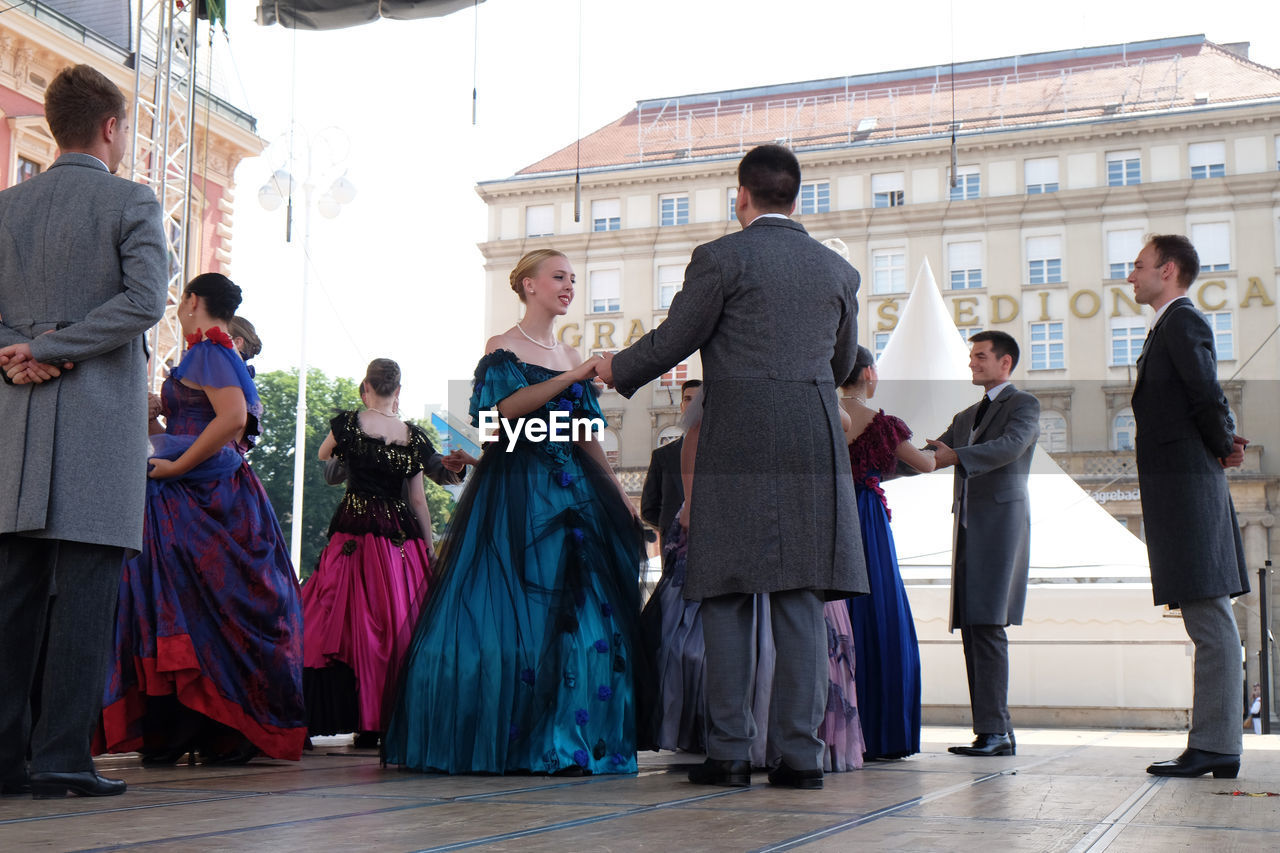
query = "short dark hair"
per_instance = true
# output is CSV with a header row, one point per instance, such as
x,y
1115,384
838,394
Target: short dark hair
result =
x,y
1002,344
692,383
1178,249
771,173
77,102
221,295
861,362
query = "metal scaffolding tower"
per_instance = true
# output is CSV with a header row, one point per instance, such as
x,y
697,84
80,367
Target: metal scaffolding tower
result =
x,y
164,96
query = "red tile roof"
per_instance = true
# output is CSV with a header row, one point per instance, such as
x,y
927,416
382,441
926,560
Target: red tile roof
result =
x,y
1128,80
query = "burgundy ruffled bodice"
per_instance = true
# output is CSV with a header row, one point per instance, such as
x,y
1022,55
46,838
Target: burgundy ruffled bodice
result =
x,y
874,452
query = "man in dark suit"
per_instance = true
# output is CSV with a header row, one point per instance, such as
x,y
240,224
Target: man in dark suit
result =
x,y
1185,438
990,444
83,274
663,489
774,313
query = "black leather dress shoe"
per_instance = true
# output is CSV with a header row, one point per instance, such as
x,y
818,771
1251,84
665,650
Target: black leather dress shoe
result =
x,y
1197,762
726,774
46,786
986,744
786,776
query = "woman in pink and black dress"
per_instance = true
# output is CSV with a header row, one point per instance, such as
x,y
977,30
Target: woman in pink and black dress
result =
x,y
363,599
888,657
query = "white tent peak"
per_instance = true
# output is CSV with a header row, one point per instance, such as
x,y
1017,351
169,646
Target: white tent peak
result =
x,y
925,380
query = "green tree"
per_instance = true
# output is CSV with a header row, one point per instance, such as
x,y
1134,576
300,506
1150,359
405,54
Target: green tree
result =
x,y
272,459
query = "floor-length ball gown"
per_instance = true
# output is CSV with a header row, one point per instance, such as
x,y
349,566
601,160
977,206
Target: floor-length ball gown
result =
x,y
888,656
209,619
524,658
360,604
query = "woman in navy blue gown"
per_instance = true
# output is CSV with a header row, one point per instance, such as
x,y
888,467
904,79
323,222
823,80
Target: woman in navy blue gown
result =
x,y
884,635
523,658
208,642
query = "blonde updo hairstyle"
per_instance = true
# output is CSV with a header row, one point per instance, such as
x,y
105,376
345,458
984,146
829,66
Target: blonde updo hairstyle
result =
x,y
382,377
528,267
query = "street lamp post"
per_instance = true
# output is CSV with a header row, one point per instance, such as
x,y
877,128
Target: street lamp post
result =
x,y
279,188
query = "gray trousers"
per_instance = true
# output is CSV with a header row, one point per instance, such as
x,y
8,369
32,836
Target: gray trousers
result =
x,y
799,696
986,663
1218,705
57,603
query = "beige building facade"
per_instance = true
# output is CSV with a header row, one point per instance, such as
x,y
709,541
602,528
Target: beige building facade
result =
x,y
1063,162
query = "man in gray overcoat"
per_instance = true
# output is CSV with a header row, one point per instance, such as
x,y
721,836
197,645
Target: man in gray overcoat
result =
x,y
773,312
1185,438
990,444
82,277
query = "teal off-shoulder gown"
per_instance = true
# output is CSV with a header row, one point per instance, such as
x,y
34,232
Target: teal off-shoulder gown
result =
x,y
524,655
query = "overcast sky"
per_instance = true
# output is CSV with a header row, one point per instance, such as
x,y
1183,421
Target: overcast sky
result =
x,y
398,274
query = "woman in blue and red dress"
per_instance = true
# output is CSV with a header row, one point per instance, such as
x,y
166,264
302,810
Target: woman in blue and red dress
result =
x,y
208,643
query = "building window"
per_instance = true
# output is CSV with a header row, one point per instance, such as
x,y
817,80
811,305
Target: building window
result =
x,y
1122,248
1213,244
1127,337
964,264
609,443
669,434
968,183
1223,338
1048,349
733,204
888,271
539,220
815,197
1044,260
887,189
606,291
1053,432
1041,175
27,169
670,280
880,341
1123,430
1207,159
675,377
673,209
967,332
606,215
1123,168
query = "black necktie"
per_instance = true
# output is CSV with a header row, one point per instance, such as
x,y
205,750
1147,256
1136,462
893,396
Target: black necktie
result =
x,y
982,411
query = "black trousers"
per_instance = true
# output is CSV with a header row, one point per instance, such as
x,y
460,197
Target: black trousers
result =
x,y
986,657
57,604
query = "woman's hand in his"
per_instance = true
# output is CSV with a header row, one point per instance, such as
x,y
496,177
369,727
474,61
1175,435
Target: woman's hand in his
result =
x,y
161,469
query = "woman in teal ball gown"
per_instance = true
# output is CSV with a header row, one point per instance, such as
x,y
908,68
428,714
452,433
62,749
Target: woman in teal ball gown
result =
x,y
523,659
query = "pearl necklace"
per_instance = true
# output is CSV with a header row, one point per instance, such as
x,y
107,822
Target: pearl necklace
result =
x,y
384,414
534,340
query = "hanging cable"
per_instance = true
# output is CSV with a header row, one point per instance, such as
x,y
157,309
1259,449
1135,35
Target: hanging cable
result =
x,y
208,131
953,94
475,61
577,169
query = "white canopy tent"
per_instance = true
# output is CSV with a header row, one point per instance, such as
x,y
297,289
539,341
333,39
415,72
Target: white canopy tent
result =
x,y
925,380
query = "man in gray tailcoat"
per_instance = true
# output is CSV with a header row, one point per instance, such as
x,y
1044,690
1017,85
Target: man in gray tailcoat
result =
x,y
1185,438
773,510
82,277
990,444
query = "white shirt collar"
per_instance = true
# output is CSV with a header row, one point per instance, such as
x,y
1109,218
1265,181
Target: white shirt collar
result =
x,y
1163,308
995,392
763,215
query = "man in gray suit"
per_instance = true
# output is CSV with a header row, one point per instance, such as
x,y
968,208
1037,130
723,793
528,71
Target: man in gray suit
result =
x,y
1185,439
773,312
990,444
663,489
82,277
